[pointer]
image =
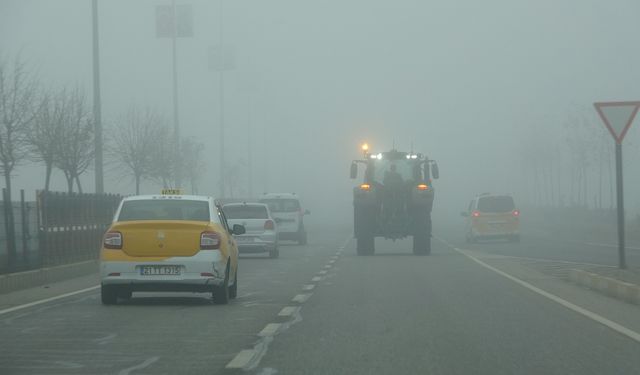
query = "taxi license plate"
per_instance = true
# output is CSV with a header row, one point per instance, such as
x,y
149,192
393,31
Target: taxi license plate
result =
x,y
159,270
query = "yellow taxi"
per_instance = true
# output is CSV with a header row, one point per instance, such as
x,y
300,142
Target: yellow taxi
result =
x,y
169,242
492,216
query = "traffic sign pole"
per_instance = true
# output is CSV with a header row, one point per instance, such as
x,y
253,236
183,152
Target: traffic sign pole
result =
x,y
618,117
622,262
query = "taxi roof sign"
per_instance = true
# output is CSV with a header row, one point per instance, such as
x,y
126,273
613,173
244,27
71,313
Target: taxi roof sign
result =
x,y
617,117
172,192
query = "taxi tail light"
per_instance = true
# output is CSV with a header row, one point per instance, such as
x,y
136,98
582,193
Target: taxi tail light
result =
x,y
516,213
269,225
209,241
112,240
475,214
422,187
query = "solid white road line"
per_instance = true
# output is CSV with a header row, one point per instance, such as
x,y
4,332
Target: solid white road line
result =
x,y
141,366
270,329
242,359
582,311
39,302
610,245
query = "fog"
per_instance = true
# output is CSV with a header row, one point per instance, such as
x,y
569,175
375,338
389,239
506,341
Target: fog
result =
x,y
485,88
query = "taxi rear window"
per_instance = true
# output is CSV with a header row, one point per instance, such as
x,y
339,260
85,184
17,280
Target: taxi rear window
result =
x,y
156,209
496,204
282,205
245,212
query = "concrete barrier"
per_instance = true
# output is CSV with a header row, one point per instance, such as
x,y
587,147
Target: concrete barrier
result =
x,y
23,280
611,287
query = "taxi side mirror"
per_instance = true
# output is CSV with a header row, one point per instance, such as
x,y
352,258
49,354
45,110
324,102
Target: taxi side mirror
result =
x,y
464,213
353,173
435,171
238,229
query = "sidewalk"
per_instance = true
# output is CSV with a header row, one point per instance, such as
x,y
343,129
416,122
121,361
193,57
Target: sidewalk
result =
x,y
616,283
12,282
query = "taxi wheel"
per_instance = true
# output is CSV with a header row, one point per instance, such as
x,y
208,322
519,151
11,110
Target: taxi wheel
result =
x,y
274,253
125,294
233,289
109,295
220,294
302,238
421,244
365,245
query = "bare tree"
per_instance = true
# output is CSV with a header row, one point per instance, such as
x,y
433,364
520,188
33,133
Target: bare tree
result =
x,y
44,135
75,150
165,159
18,95
134,142
18,108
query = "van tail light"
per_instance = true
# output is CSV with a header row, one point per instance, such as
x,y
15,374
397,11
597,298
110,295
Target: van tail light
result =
x,y
269,225
365,187
422,187
209,241
516,213
475,214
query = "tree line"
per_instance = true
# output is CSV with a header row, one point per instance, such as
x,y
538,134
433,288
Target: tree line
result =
x,y
55,127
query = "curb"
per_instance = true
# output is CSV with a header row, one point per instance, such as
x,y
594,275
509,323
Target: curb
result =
x,y
611,287
23,280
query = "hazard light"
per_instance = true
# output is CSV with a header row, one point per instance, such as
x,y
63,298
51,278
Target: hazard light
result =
x,y
365,187
423,187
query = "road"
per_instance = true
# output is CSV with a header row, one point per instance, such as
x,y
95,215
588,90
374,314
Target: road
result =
x,y
320,309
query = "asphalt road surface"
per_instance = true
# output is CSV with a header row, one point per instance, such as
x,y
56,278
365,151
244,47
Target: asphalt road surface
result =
x,y
320,309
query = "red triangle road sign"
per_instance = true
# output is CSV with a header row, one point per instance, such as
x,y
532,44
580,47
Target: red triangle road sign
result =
x,y
617,117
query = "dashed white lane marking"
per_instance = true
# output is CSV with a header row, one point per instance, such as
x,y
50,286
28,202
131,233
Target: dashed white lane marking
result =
x,y
332,261
270,329
323,272
144,364
315,279
301,298
591,315
288,310
327,266
39,302
308,287
242,359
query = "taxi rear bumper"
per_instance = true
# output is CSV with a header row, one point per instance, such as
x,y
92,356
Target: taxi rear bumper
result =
x,y
200,272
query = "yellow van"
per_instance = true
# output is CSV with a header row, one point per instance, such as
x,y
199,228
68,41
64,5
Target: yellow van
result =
x,y
492,216
169,243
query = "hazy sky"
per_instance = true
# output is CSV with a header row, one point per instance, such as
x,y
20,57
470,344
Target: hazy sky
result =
x,y
473,84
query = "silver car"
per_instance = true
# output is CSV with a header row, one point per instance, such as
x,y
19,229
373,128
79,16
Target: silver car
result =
x,y
261,231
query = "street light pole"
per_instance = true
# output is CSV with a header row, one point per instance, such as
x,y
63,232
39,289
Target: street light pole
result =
x,y
176,116
221,94
97,107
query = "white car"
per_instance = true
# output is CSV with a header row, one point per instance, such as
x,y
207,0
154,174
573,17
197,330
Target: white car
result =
x,y
288,214
261,230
